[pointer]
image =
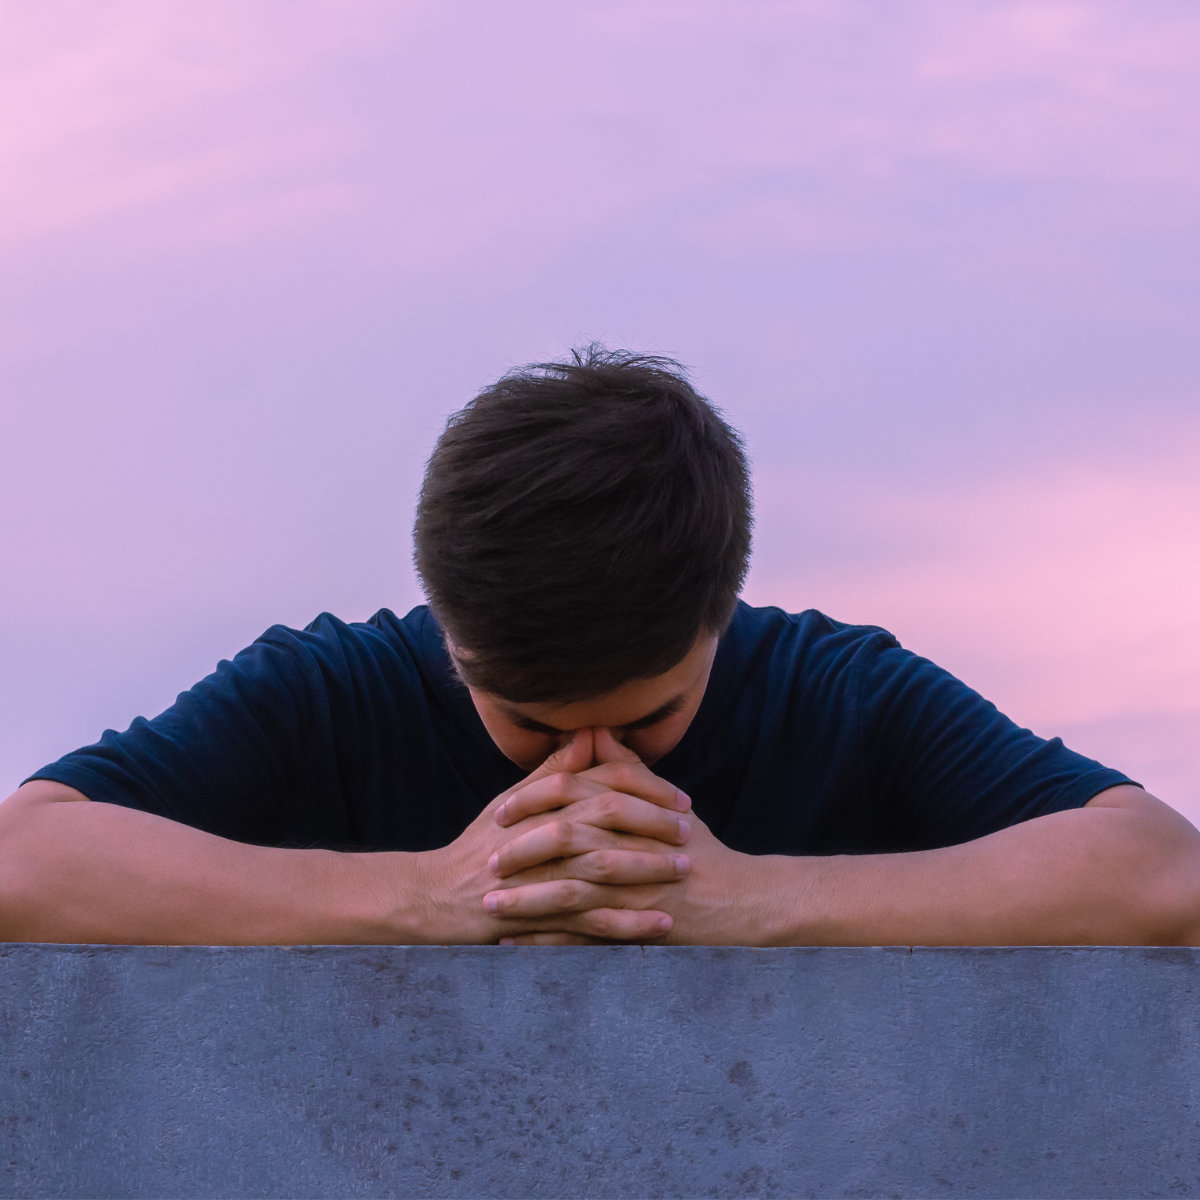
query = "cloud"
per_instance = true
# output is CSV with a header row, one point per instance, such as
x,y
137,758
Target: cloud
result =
x,y
912,244
172,116
540,121
1067,597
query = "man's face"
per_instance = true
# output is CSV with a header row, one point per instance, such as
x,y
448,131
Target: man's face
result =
x,y
647,715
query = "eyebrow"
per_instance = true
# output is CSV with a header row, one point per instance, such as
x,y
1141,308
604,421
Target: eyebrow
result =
x,y
659,714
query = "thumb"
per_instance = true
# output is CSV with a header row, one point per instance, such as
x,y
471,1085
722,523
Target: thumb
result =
x,y
573,757
609,750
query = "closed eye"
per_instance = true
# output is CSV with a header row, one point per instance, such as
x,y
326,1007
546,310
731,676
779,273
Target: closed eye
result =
x,y
653,718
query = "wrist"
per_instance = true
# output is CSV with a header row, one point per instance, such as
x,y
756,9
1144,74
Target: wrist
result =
x,y
782,910
397,898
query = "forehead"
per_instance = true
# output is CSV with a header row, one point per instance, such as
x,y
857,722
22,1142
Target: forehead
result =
x,y
631,703
605,712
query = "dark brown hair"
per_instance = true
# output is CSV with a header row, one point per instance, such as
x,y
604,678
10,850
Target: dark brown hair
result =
x,y
580,524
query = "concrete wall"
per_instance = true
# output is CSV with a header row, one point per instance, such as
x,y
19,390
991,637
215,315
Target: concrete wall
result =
x,y
394,1071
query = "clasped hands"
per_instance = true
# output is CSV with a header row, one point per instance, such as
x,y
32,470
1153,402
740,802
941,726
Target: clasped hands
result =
x,y
592,847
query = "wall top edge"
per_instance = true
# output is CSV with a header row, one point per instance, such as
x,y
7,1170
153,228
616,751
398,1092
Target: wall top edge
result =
x,y
542,954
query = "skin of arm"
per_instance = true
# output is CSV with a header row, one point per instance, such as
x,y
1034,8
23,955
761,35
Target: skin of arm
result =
x,y
1123,870
75,871
575,854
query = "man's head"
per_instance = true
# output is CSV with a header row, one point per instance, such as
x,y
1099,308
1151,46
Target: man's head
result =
x,y
582,534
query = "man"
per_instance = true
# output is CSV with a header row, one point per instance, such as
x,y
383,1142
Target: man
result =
x,y
586,737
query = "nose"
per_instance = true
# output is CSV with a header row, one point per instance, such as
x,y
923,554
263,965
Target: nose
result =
x,y
616,732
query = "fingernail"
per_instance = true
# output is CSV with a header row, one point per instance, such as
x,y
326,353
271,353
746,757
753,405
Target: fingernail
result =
x,y
685,801
507,942
683,864
684,828
500,813
494,864
491,902
665,924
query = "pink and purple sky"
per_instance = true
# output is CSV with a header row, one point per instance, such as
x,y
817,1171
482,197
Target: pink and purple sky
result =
x,y
940,261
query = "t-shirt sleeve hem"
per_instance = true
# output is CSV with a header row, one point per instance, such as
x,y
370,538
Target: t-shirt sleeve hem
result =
x,y
94,786
1086,787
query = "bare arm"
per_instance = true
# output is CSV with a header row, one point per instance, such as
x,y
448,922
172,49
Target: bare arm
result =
x,y
1123,870
76,871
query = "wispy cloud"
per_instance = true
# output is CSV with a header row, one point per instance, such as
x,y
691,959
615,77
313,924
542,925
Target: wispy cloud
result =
x,y
939,259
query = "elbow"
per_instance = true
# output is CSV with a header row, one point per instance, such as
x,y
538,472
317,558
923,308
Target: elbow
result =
x,y
1180,918
1166,899
1150,866
23,867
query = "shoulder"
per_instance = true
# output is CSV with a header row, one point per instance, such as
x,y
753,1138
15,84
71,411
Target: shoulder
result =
x,y
808,642
402,654
333,642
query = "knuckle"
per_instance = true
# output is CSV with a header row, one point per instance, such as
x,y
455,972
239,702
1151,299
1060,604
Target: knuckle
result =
x,y
603,923
623,775
562,836
610,805
604,865
567,893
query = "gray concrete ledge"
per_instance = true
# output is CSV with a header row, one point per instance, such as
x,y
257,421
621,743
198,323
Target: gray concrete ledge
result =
x,y
398,1071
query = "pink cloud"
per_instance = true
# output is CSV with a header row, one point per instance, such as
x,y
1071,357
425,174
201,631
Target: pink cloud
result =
x,y
164,113
424,192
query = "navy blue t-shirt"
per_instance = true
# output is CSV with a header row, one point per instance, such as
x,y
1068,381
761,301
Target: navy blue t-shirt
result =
x,y
813,737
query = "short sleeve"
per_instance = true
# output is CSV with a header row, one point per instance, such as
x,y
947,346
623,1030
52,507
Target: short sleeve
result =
x,y
948,767
237,755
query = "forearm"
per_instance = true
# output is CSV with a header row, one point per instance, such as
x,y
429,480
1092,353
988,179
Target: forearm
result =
x,y
88,872
1103,875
